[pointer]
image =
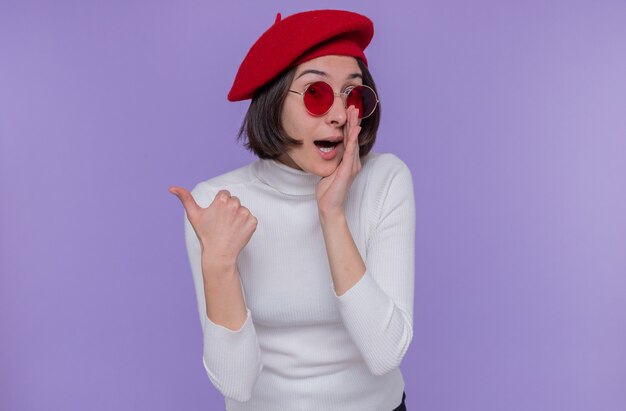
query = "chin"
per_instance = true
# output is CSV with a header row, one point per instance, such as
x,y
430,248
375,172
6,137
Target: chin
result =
x,y
323,170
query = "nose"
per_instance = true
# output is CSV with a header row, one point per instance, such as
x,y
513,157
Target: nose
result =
x,y
337,114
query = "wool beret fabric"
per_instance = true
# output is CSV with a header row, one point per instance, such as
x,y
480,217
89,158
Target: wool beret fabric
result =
x,y
299,38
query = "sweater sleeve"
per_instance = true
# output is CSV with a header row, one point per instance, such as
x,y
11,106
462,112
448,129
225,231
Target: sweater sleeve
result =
x,y
232,358
378,310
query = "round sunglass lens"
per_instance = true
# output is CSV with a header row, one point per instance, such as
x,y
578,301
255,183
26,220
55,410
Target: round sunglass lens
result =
x,y
362,98
318,98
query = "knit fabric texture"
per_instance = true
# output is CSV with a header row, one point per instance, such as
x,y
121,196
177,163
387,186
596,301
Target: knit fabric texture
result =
x,y
299,38
302,347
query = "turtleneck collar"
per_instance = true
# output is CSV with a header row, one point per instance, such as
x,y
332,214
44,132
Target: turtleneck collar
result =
x,y
285,179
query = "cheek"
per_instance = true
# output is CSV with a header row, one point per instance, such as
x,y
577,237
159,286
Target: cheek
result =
x,y
290,122
298,125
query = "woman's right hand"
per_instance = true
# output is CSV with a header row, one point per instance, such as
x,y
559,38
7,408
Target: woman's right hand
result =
x,y
223,228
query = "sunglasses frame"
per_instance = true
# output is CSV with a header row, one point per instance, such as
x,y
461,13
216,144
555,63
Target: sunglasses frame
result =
x,y
343,95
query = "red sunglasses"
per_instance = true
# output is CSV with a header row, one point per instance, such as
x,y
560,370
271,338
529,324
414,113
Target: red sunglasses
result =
x,y
319,98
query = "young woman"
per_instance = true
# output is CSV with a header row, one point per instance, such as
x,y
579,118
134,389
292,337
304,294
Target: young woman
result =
x,y
303,260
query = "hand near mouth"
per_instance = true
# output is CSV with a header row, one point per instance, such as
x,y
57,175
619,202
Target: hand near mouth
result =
x,y
346,263
331,190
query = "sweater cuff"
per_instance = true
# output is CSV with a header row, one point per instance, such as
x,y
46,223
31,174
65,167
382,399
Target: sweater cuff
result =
x,y
366,289
232,358
215,331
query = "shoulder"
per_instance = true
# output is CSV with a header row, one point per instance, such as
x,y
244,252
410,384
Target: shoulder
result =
x,y
388,191
386,183
383,168
205,191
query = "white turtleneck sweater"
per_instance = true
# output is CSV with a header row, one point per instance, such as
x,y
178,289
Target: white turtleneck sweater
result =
x,y
302,347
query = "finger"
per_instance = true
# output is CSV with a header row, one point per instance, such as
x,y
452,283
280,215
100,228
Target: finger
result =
x,y
222,195
347,161
253,222
357,157
351,110
354,130
247,217
357,131
356,118
244,211
234,202
353,116
354,113
346,126
185,197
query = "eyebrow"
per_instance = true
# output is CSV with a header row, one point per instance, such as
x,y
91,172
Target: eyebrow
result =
x,y
324,74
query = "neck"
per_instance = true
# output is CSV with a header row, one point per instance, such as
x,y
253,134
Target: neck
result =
x,y
285,178
288,161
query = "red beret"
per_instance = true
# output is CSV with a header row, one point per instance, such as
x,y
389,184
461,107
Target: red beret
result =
x,y
299,38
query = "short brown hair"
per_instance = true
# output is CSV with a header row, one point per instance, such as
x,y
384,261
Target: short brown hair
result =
x,y
262,125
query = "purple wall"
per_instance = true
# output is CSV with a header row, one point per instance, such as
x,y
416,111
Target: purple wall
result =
x,y
511,115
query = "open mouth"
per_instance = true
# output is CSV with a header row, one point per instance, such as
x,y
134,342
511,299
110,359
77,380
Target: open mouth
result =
x,y
326,146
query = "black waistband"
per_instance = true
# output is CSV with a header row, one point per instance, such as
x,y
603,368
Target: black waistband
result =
x,y
401,407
